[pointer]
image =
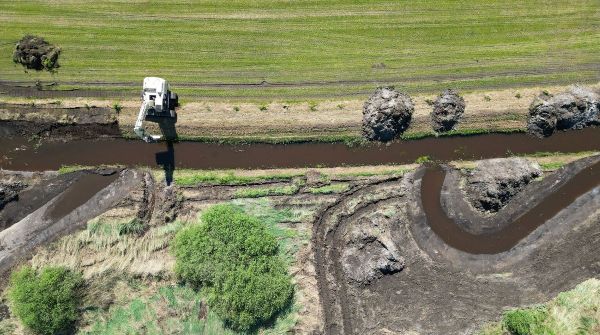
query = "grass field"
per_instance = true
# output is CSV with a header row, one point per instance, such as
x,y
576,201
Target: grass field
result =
x,y
314,49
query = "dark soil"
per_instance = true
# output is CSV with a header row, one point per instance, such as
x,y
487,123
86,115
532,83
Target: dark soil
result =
x,y
495,181
58,123
386,114
442,290
34,197
9,191
575,109
448,108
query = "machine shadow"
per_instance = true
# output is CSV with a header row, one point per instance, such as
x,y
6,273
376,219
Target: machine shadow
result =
x,y
166,159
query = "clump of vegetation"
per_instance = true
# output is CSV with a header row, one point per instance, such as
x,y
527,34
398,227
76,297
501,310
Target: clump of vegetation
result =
x,y
235,259
195,177
328,189
575,312
518,96
117,107
526,321
236,108
46,302
263,108
312,106
423,160
264,192
487,98
34,53
132,227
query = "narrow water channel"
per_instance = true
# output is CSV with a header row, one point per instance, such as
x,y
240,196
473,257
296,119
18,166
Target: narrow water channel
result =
x,y
505,239
18,154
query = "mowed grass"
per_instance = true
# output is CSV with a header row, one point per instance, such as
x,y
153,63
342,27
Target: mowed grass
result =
x,y
314,49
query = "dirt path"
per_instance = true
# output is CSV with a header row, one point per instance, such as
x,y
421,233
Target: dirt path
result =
x,y
442,290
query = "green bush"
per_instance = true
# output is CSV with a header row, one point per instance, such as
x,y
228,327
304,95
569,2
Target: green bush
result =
x,y
46,302
253,293
527,321
236,259
132,227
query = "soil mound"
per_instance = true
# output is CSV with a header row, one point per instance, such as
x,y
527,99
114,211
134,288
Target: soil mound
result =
x,y
369,253
34,53
575,109
448,108
495,181
386,114
9,191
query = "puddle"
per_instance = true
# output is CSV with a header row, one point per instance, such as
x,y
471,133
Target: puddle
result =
x,y
508,237
79,193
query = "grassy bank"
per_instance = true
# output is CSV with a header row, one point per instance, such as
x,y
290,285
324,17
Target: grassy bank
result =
x,y
575,312
309,50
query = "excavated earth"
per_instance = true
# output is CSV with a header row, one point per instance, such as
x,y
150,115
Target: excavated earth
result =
x,y
56,122
372,264
423,286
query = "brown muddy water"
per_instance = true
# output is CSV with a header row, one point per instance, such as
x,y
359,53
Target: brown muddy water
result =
x,y
79,193
18,154
508,237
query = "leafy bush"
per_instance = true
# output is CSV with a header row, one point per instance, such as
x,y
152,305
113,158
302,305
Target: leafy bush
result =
x,y
133,227
252,293
46,301
236,258
527,321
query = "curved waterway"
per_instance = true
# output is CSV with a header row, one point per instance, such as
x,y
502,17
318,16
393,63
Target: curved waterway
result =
x,y
18,154
505,239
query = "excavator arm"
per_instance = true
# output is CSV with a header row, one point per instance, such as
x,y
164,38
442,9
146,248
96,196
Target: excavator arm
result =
x,y
139,127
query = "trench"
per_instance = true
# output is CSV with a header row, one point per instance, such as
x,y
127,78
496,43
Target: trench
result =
x,y
19,154
79,193
503,240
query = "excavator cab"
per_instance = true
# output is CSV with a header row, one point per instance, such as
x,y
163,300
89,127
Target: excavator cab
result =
x,y
158,104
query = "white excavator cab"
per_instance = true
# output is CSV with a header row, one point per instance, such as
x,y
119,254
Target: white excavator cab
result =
x,y
158,102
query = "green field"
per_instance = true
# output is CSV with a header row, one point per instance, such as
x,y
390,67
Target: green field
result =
x,y
317,49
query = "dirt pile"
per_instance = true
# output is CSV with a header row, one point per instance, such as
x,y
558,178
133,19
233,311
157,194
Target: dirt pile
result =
x,y
386,114
34,53
370,254
575,109
9,191
495,181
448,108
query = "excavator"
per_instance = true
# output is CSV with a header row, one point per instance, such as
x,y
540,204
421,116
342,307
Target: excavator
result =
x,y
158,103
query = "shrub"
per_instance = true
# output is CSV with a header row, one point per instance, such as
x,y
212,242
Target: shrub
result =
x,y
236,258
117,107
423,160
252,293
526,321
133,227
46,301
34,53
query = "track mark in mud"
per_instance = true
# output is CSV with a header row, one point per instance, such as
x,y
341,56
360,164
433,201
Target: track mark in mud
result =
x,y
326,236
509,236
80,192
